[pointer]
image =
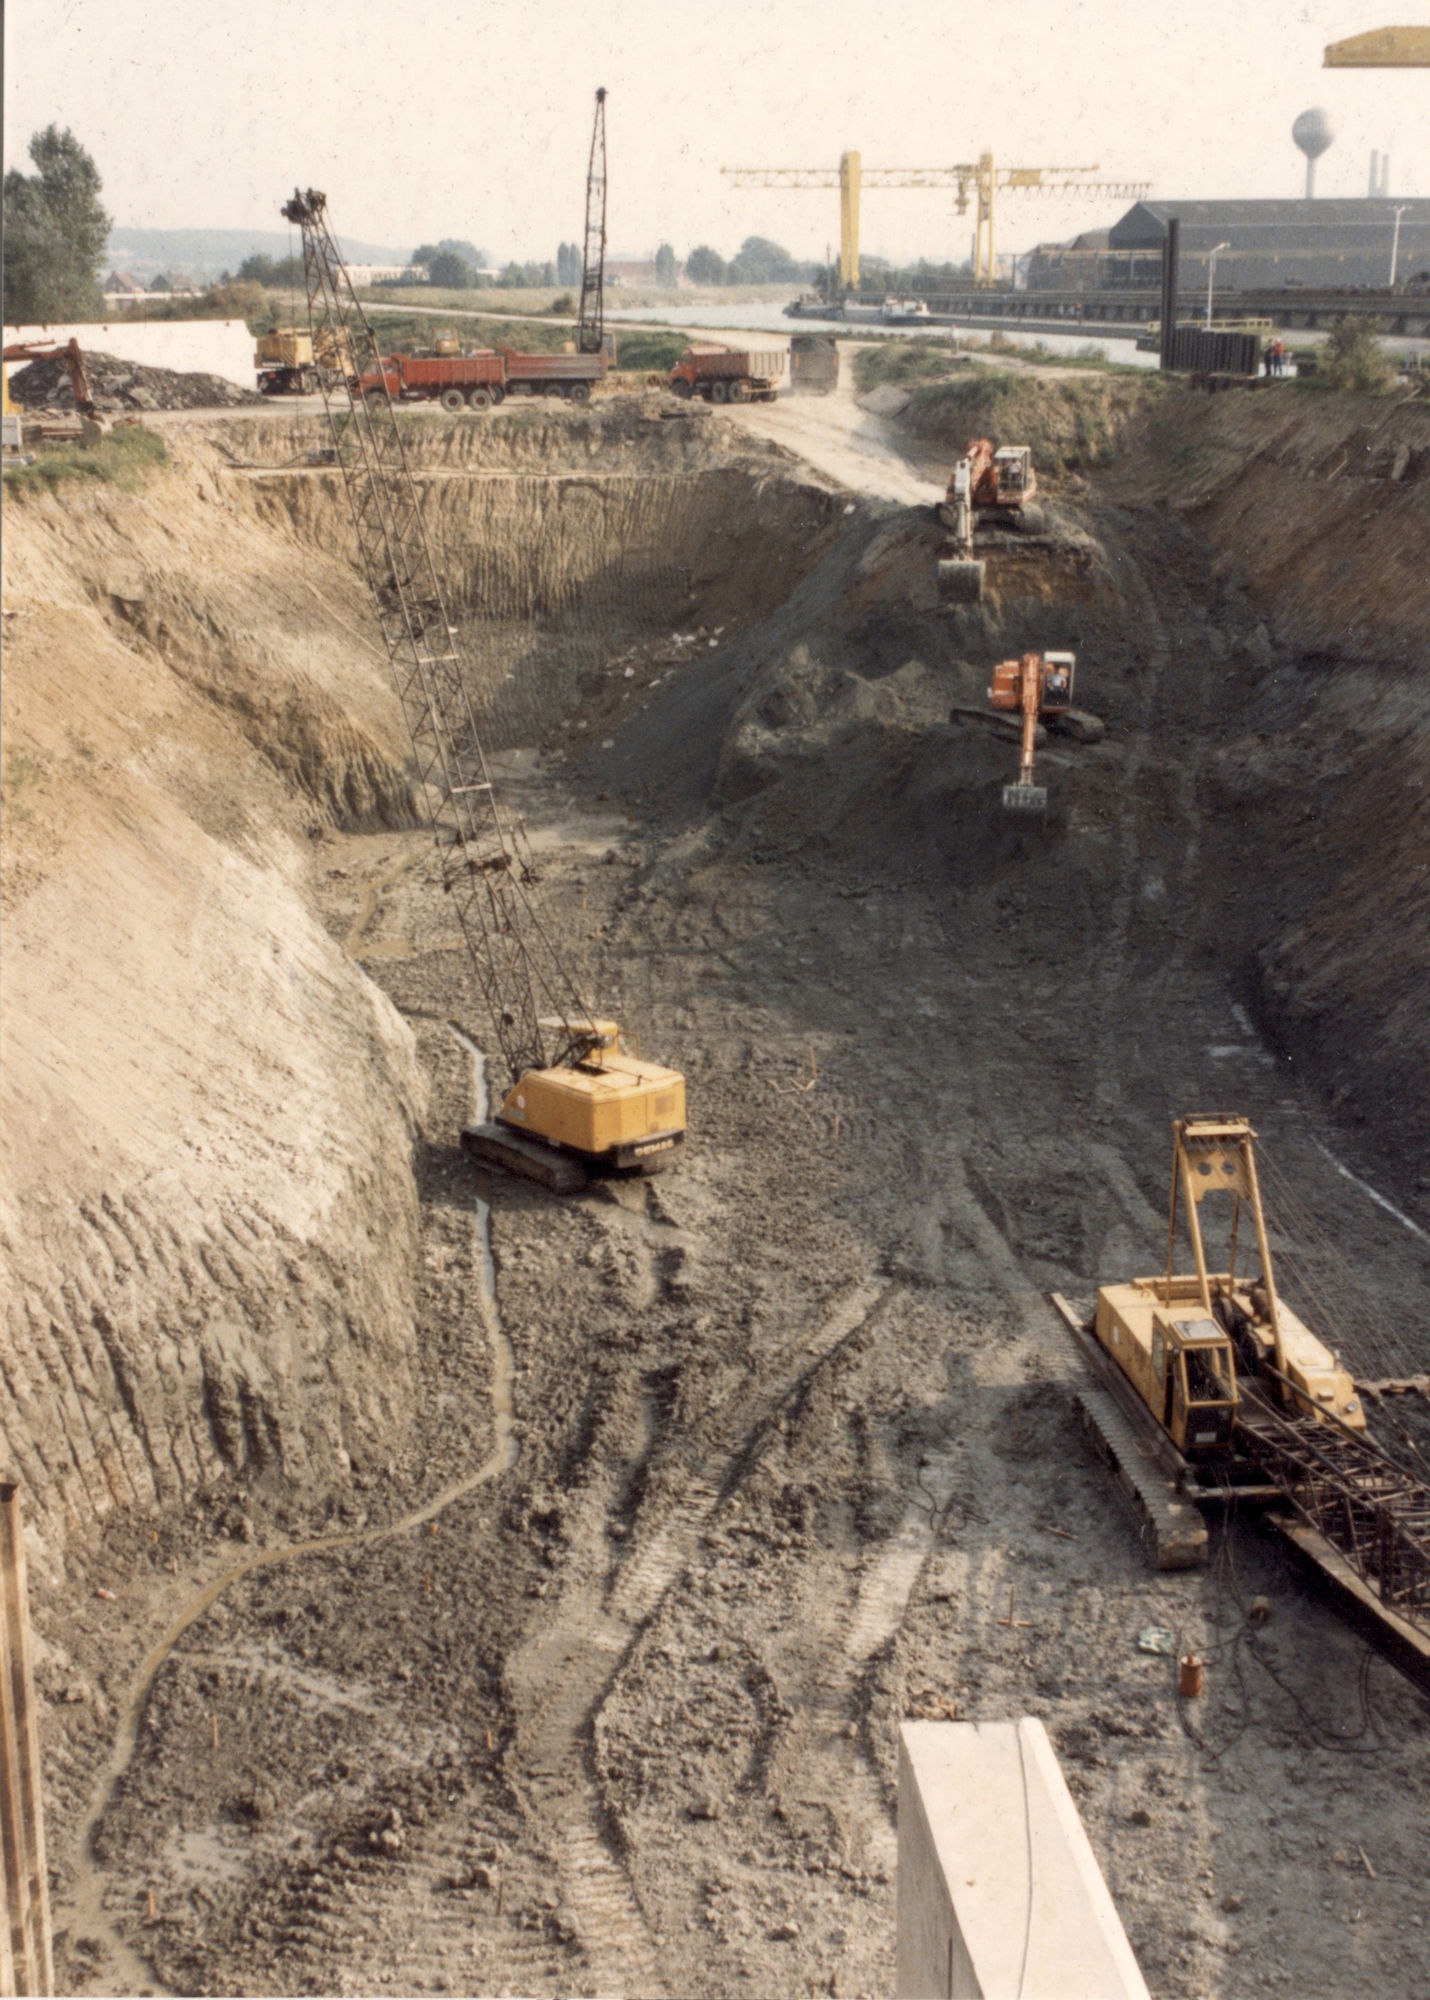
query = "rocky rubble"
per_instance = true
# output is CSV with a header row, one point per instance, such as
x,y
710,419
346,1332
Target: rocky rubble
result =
x,y
123,385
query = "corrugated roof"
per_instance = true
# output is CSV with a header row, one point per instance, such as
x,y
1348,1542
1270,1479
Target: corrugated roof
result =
x,y
1253,224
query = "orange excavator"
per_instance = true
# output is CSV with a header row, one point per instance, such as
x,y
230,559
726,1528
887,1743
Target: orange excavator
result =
x,y
1037,685
37,351
998,484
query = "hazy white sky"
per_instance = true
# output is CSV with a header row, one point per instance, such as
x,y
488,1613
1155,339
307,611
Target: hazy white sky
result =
x,y
425,118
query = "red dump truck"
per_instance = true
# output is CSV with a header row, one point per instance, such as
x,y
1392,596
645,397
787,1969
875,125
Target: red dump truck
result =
x,y
728,374
483,378
452,380
553,374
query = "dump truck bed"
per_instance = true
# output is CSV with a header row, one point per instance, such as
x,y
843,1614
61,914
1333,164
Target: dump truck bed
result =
x,y
734,361
554,367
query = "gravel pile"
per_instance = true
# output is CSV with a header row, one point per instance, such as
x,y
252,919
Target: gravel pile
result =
x,y
122,385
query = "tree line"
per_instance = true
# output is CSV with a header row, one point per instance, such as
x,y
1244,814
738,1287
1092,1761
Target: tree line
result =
x,y
56,230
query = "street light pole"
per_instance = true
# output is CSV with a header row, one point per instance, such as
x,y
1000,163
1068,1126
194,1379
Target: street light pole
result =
x,y
1211,275
1395,242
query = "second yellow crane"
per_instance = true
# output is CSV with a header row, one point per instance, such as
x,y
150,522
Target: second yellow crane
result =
x,y
978,180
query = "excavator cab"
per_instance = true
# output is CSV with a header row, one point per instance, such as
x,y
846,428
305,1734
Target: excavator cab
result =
x,y
1014,480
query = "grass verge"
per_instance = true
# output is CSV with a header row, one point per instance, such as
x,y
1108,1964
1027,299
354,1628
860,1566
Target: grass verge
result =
x,y
124,458
1070,425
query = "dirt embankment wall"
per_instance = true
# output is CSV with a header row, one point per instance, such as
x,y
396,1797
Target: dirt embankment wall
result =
x,y
208,1111
1072,423
1322,504
554,571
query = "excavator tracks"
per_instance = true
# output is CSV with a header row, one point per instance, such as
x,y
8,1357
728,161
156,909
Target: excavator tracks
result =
x,y
1171,1529
496,1146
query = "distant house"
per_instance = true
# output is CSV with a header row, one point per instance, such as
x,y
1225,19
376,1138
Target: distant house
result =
x,y
119,285
631,271
388,274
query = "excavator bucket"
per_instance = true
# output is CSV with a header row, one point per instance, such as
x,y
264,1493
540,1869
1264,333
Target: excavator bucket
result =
x,y
1025,798
960,581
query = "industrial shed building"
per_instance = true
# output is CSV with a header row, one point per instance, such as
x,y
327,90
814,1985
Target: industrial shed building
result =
x,y
1271,243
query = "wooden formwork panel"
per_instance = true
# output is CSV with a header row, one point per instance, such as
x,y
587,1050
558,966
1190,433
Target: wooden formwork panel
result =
x,y
25,1961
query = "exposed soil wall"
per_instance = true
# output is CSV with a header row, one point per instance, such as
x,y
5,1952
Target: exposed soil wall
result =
x,y
1072,422
1322,504
209,1112
553,571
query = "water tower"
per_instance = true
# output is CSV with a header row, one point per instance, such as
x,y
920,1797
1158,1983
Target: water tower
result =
x,y
1312,132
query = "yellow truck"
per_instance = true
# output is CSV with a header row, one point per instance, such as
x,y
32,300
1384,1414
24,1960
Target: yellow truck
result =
x,y
288,365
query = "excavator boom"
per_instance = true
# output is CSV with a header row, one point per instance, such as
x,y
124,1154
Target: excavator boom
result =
x,y
1036,685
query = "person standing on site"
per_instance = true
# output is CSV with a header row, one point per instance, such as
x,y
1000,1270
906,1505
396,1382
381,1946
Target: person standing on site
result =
x,y
1268,358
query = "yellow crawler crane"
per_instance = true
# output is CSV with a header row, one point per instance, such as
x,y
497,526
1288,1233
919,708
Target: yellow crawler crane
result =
x,y
576,1098
1179,1338
1207,1388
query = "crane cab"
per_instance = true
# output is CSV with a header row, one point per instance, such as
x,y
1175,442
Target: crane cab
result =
x,y
1181,1337
1179,1360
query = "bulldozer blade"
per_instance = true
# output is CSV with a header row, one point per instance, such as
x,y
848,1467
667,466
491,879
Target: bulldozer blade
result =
x,y
1025,798
960,581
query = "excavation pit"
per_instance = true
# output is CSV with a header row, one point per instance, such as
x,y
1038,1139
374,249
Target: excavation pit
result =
x,y
795,1447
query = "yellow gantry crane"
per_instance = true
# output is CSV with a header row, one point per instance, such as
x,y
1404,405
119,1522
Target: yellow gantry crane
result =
x,y
977,180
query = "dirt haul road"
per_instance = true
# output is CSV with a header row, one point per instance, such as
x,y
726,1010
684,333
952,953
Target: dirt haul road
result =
x,y
587,1679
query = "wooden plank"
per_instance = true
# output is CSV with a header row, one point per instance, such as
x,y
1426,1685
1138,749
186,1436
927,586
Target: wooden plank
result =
x,y
1402,1643
22,1826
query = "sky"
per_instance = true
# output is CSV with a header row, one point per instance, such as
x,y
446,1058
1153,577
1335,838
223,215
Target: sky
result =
x,y
437,118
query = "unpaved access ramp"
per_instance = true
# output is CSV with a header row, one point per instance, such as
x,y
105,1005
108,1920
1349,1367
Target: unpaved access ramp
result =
x,y
841,439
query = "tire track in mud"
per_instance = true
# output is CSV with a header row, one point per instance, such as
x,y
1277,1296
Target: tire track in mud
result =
x,y
885,1589
85,1906
558,1684
1113,960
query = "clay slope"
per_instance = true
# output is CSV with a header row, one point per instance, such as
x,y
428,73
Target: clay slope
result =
x,y
1322,503
208,1111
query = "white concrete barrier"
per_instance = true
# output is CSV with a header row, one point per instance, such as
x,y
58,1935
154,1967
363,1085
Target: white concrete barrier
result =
x,y
1000,1896
188,346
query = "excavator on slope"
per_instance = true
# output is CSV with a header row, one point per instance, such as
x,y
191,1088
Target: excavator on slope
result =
x,y
92,424
1208,1390
1036,685
994,485
577,1100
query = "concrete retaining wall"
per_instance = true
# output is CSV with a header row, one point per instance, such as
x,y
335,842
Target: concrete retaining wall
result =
x,y
188,346
999,1891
